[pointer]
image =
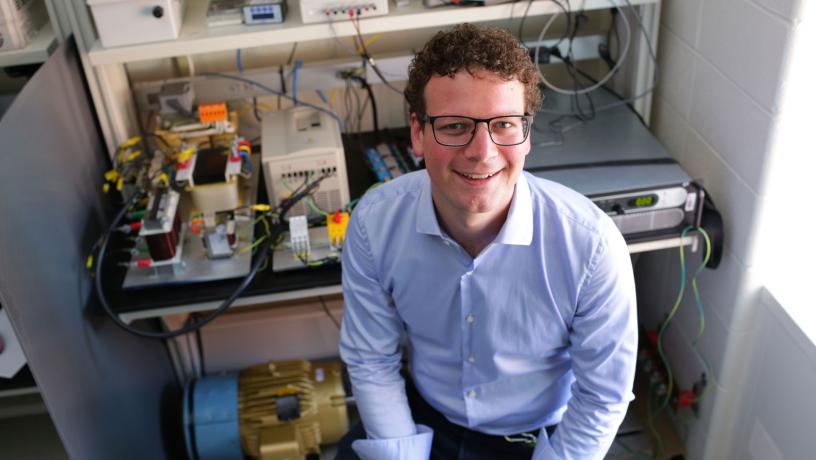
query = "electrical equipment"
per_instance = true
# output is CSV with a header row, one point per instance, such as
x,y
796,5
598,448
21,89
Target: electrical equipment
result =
x,y
232,12
336,224
197,222
161,224
312,11
299,145
176,97
265,12
129,22
615,161
435,3
299,237
386,161
20,20
225,13
276,411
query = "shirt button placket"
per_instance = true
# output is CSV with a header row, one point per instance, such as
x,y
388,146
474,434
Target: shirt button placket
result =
x,y
467,345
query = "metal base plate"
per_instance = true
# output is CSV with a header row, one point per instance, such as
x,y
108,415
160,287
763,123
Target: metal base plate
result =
x,y
284,259
195,266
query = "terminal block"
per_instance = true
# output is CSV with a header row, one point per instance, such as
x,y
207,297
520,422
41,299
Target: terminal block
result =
x,y
211,113
299,237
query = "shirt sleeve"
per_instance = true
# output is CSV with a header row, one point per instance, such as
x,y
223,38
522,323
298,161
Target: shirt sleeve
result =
x,y
370,347
603,348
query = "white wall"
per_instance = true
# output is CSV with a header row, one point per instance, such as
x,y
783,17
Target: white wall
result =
x,y
775,416
722,66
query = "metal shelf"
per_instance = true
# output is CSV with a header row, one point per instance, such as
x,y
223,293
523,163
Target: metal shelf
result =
x,y
197,37
654,245
41,46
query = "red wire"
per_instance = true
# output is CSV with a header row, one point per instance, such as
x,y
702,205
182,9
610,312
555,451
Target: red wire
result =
x,y
356,25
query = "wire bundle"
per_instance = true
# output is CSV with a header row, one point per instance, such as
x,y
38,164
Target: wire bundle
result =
x,y
273,235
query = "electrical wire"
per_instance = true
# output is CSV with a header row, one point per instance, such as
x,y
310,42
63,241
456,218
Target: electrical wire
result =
x,y
295,70
370,60
362,81
642,94
328,313
676,306
273,236
272,91
603,80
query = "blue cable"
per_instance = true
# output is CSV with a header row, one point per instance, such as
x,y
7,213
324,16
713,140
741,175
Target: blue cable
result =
x,y
322,96
298,63
238,61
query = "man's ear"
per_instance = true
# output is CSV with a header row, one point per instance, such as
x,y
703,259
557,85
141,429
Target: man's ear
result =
x,y
417,134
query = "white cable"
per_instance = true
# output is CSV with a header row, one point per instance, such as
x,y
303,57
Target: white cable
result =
x,y
611,72
633,98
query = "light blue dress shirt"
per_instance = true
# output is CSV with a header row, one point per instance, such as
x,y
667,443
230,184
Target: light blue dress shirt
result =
x,y
538,329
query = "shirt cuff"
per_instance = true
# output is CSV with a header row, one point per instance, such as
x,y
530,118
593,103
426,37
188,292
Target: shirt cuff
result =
x,y
544,450
416,447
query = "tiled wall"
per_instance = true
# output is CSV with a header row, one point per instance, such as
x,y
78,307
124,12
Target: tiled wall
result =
x,y
721,67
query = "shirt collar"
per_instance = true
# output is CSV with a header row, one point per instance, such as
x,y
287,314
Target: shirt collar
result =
x,y
426,216
517,229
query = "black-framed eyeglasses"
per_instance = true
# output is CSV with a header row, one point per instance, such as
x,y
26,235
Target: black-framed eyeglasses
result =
x,y
458,130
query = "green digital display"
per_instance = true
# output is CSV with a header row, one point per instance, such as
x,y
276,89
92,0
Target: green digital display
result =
x,y
643,201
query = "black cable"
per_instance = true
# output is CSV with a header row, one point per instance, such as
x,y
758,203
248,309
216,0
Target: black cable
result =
x,y
328,313
362,81
523,18
275,233
190,327
618,96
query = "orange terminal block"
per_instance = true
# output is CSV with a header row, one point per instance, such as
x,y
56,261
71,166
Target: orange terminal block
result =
x,y
210,113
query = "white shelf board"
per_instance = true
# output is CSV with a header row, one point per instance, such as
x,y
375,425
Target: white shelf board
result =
x,y
197,37
37,51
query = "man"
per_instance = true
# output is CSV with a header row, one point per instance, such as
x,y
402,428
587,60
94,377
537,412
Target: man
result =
x,y
515,295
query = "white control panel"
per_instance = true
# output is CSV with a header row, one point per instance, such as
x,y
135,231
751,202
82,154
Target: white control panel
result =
x,y
313,11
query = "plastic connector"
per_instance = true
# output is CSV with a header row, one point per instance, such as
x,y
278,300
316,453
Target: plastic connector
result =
x,y
336,225
299,237
211,113
686,398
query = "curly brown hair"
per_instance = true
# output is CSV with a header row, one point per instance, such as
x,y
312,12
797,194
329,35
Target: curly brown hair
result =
x,y
473,49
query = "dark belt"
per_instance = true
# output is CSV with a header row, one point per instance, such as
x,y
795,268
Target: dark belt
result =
x,y
424,413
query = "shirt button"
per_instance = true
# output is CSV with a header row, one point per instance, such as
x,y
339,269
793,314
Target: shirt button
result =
x,y
446,242
471,394
470,318
471,359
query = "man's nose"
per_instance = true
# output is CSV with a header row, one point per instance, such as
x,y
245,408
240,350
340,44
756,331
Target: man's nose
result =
x,y
481,147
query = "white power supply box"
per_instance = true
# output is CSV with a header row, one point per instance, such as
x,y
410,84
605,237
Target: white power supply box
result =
x,y
312,11
298,146
130,22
